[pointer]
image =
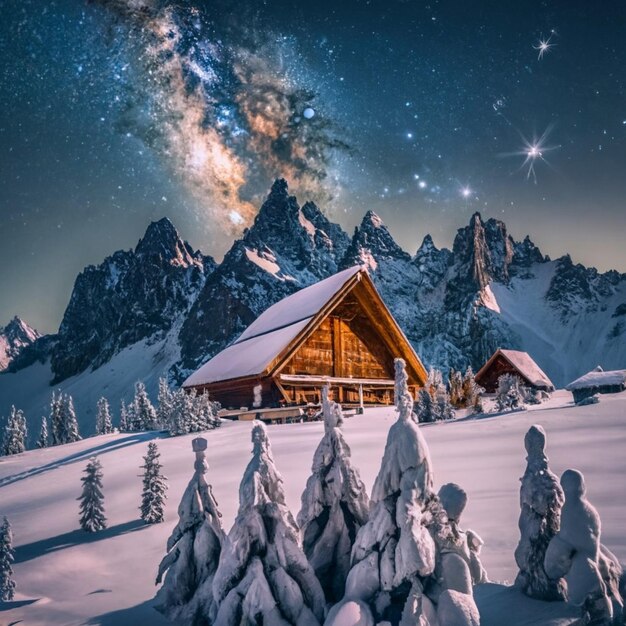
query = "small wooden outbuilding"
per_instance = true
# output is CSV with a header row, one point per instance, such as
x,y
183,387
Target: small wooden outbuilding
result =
x,y
597,381
514,362
337,332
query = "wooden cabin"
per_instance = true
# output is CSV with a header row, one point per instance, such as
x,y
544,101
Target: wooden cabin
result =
x,y
514,362
597,381
337,332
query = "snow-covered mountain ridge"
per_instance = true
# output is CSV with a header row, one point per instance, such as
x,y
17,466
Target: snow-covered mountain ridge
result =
x,y
164,308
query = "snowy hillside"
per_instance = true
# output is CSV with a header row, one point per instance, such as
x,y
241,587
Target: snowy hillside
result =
x,y
67,577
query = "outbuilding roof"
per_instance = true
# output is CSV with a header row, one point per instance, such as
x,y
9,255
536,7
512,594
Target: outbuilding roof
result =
x,y
599,378
524,364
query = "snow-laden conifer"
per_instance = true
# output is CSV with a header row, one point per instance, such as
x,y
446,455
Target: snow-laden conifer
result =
x,y
42,440
91,500
263,576
69,424
455,386
144,414
335,505
56,419
104,425
154,487
7,584
394,549
592,573
15,433
510,393
425,407
124,426
164,403
541,499
193,551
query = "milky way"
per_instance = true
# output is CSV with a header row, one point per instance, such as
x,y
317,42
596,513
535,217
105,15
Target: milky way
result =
x,y
222,109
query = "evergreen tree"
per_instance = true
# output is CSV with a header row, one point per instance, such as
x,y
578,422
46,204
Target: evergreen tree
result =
x,y
435,381
7,584
164,400
182,413
104,425
56,419
510,393
455,385
193,551
335,505
145,417
154,487
443,406
206,413
425,408
263,576
472,391
42,442
123,417
15,433
91,500
68,416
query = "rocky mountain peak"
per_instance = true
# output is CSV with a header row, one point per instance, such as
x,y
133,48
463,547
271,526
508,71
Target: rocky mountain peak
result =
x,y
162,240
371,243
484,251
14,338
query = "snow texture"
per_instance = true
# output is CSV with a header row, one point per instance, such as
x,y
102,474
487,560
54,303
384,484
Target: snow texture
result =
x,y
591,572
335,505
541,499
263,576
193,551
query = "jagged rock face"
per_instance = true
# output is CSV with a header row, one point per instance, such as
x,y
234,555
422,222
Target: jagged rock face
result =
x,y
15,337
432,264
576,288
287,248
132,295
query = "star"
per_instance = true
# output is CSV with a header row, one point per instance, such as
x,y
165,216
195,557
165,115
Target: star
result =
x,y
543,46
466,192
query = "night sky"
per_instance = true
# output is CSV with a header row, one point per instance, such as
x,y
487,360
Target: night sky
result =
x,y
117,112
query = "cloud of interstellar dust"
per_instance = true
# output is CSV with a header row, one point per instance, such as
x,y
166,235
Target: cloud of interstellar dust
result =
x,y
219,108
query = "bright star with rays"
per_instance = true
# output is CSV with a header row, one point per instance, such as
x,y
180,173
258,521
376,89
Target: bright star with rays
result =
x,y
543,46
466,192
533,152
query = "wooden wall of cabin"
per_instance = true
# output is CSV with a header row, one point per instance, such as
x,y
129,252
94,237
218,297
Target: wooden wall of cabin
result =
x,y
235,395
343,348
500,366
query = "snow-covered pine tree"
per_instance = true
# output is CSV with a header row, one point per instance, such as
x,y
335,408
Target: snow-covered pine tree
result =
x,y
472,391
15,433
443,406
145,417
123,417
263,576
394,549
425,407
335,505
509,394
164,403
541,500
7,584
91,500
409,566
206,412
104,425
193,551
178,419
435,381
455,386
69,423
56,419
154,487
42,441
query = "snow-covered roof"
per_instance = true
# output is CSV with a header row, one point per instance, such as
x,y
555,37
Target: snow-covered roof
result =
x,y
524,363
599,378
271,332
